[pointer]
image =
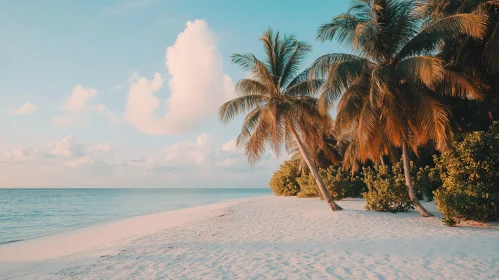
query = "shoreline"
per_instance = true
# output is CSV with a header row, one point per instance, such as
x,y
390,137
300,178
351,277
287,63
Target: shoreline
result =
x,y
79,239
110,220
265,237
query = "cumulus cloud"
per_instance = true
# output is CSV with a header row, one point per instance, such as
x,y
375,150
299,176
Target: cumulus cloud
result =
x,y
75,105
70,162
142,103
20,154
230,146
25,109
68,151
187,152
196,82
69,147
79,99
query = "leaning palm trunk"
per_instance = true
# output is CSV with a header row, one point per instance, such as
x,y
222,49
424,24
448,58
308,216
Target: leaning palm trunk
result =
x,y
408,182
313,169
382,160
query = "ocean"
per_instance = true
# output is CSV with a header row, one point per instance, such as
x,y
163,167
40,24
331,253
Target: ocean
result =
x,y
32,213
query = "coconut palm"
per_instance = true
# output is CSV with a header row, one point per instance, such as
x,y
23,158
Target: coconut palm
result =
x,y
323,154
478,58
388,91
278,103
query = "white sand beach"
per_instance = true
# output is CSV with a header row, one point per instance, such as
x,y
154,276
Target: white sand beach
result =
x,y
262,238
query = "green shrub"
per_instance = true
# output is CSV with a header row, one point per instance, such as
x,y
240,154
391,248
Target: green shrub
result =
x,y
283,182
355,187
426,180
470,178
386,189
339,183
308,186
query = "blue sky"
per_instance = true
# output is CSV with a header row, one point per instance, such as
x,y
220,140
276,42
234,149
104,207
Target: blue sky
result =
x,y
86,84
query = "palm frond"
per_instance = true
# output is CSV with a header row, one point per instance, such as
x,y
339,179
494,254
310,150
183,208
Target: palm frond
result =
x,y
239,106
457,84
426,70
252,87
249,124
426,41
258,69
433,123
321,66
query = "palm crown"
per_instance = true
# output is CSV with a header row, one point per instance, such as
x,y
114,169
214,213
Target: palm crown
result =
x,y
276,99
279,104
388,92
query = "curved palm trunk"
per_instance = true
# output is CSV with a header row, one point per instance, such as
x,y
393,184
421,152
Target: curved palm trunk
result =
x,y
313,169
408,182
382,160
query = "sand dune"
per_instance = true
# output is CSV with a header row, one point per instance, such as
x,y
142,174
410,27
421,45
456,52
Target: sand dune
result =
x,y
269,238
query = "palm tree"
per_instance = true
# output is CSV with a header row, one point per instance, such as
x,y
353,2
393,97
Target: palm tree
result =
x,y
388,92
278,103
478,58
323,154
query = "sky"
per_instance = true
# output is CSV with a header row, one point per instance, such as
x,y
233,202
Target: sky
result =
x,y
125,93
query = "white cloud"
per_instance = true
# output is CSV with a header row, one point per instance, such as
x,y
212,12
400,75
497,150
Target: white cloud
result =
x,y
79,99
191,163
189,153
230,146
65,150
21,154
25,109
141,104
69,147
197,85
75,105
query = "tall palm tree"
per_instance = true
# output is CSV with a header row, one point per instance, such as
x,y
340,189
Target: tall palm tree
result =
x,y
388,92
478,58
323,154
278,103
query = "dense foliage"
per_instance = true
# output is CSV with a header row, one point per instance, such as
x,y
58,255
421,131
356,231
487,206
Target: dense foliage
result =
x,y
420,74
339,183
386,90
426,181
470,176
283,182
386,189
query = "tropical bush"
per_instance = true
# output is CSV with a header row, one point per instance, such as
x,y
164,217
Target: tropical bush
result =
x,y
386,189
339,183
355,187
308,186
283,182
470,178
426,181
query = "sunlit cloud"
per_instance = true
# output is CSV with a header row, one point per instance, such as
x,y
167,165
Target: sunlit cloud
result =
x,y
75,105
196,82
25,109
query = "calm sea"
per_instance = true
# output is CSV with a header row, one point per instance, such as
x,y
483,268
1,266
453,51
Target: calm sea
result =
x,y
31,213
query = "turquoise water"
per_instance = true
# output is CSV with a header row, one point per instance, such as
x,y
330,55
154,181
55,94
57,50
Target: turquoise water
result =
x,y
31,213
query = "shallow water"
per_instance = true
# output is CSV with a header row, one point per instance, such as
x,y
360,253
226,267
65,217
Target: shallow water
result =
x,y
31,213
